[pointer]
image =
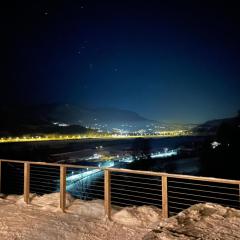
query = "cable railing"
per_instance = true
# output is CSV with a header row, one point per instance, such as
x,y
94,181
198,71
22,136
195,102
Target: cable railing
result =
x,y
129,189
43,179
85,185
184,193
171,193
13,175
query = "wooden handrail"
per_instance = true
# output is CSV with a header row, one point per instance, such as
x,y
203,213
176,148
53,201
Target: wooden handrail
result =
x,y
150,173
48,164
179,176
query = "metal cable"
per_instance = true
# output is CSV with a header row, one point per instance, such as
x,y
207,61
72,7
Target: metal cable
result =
x,y
201,190
129,186
118,180
204,185
195,195
151,178
127,190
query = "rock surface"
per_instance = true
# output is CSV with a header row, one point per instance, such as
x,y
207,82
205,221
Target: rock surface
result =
x,y
19,221
85,220
142,216
201,221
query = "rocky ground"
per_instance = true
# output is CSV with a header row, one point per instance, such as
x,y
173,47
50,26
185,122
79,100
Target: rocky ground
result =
x,y
201,221
85,220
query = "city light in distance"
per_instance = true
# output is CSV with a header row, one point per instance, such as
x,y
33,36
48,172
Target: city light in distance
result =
x,y
36,138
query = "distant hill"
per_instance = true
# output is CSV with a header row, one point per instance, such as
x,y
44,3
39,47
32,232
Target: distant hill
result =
x,y
41,118
76,114
212,126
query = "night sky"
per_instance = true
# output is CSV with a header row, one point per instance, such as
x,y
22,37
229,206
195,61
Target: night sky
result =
x,y
175,61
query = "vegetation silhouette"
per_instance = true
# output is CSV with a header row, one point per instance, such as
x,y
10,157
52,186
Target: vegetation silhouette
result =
x,y
224,159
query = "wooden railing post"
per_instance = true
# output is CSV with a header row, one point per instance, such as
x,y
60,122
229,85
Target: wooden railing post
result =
x,y
239,195
26,182
0,176
164,197
62,187
107,193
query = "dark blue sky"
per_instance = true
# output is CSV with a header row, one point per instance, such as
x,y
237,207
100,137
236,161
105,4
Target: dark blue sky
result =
x,y
167,60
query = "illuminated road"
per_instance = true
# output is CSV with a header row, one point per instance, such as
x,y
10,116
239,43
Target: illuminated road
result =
x,y
82,137
79,182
